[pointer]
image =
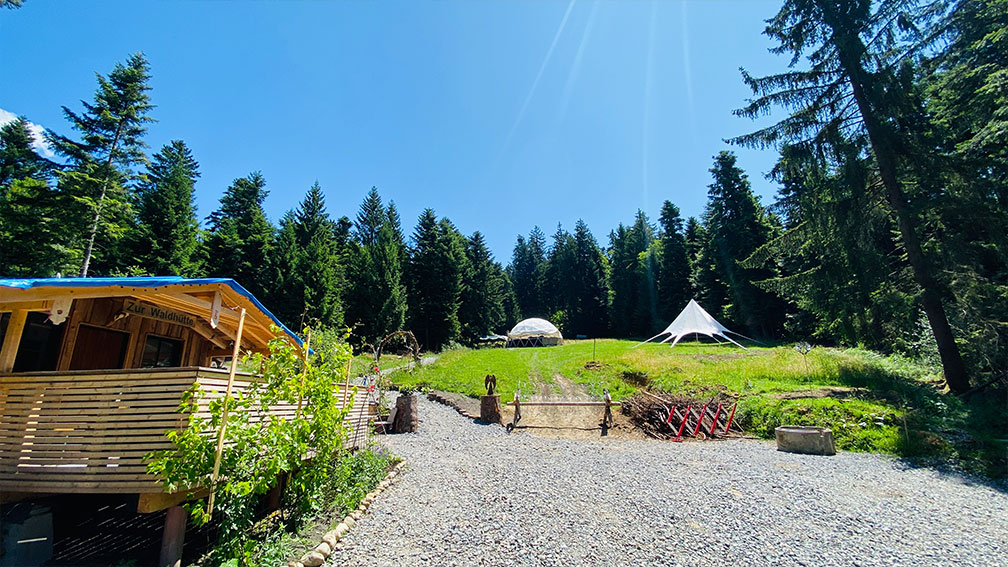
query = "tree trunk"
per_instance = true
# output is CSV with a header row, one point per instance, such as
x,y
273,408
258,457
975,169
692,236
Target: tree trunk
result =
x,y
952,363
101,199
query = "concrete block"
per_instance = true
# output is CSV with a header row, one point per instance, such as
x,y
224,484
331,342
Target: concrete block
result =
x,y
805,439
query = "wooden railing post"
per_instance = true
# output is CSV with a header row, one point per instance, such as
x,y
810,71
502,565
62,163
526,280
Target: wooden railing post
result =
x,y
12,339
224,416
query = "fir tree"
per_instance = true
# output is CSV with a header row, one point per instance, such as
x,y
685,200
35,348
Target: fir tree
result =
x,y
240,237
165,238
112,130
857,85
436,263
674,290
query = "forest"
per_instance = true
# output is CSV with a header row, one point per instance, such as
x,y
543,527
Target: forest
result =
x,y
889,229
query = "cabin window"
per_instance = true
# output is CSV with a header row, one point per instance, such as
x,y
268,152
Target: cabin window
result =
x,y
160,352
40,343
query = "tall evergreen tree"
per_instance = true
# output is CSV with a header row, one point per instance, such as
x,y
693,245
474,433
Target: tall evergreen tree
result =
x,y
32,237
436,263
287,287
527,271
376,296
674,289
859,63
18,159
633,270
481,310
112,130
165,238
240,237
319,265
736,225
559,295
589,315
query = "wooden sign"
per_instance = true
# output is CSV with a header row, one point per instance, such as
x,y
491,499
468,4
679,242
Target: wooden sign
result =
x,y
134,307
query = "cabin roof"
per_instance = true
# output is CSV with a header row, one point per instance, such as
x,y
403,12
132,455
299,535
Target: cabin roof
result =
x,y
173,291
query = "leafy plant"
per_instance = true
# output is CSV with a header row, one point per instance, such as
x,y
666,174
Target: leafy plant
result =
x,y
261,445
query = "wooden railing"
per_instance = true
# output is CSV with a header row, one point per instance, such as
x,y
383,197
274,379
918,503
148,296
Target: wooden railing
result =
x,y
88,431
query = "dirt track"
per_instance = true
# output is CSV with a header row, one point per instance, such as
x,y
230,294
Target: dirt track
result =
x,y
567,422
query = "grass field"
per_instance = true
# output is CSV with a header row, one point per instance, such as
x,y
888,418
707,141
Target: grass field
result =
x,y
872,402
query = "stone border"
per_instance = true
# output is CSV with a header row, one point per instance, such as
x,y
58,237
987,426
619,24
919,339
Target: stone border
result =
x,y
467,407
322,551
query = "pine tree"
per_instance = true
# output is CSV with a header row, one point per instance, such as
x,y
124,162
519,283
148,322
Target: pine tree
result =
x,y
481,310
240,237
736,225
674,290
287,288
589,315
165,238
633,271
856,85
111,144
527,270
18,159
376,302
436,263
32,237
558,293
320,272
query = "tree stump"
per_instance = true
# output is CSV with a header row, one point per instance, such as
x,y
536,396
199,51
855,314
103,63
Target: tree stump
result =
x,y
406,414
490,410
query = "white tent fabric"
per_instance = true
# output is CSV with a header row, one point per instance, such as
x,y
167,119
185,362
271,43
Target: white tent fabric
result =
x,y
694,320
534,332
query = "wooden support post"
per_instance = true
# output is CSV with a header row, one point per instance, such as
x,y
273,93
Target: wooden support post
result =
x,y
304,374
12,340
227,397
173,537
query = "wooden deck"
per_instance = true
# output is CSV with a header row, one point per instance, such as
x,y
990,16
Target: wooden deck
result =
x,y
87,431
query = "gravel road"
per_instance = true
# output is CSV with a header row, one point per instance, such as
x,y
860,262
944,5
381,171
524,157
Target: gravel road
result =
x,y
476,495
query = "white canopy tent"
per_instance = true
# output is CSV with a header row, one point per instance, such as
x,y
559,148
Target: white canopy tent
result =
x,y
694,320
534,332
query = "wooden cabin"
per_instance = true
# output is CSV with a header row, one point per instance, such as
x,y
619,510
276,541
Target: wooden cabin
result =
x,y
92,371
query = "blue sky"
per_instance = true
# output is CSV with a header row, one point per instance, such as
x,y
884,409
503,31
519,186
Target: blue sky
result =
x,y
500,115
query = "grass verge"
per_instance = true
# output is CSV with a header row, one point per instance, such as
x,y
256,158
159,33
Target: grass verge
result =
x,y
874,403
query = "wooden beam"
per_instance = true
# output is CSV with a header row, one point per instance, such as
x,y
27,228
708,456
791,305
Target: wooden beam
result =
x,y
562,403
12,340
38,305
156,501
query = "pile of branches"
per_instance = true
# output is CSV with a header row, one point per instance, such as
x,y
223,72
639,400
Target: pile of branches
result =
x,y
650,411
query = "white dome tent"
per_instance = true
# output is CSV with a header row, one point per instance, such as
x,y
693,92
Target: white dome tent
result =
x,y
694,320
534,332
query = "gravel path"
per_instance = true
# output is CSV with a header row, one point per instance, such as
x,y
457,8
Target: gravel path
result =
x,y
475,495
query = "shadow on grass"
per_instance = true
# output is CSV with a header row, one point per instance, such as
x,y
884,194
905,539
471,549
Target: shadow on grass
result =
x,y
936,428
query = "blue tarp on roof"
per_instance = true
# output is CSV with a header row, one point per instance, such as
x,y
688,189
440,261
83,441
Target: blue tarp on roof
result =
x,y
152,281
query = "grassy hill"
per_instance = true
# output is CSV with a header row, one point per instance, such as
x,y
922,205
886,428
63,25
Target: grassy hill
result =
x,y
872,402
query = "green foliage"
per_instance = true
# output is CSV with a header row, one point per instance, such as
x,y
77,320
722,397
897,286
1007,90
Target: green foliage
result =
x,y
240,237
527,271
674,289
164,239
436,263
33,240
482,308
735,225
259,447
18,159
376,296
633,303
100,165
